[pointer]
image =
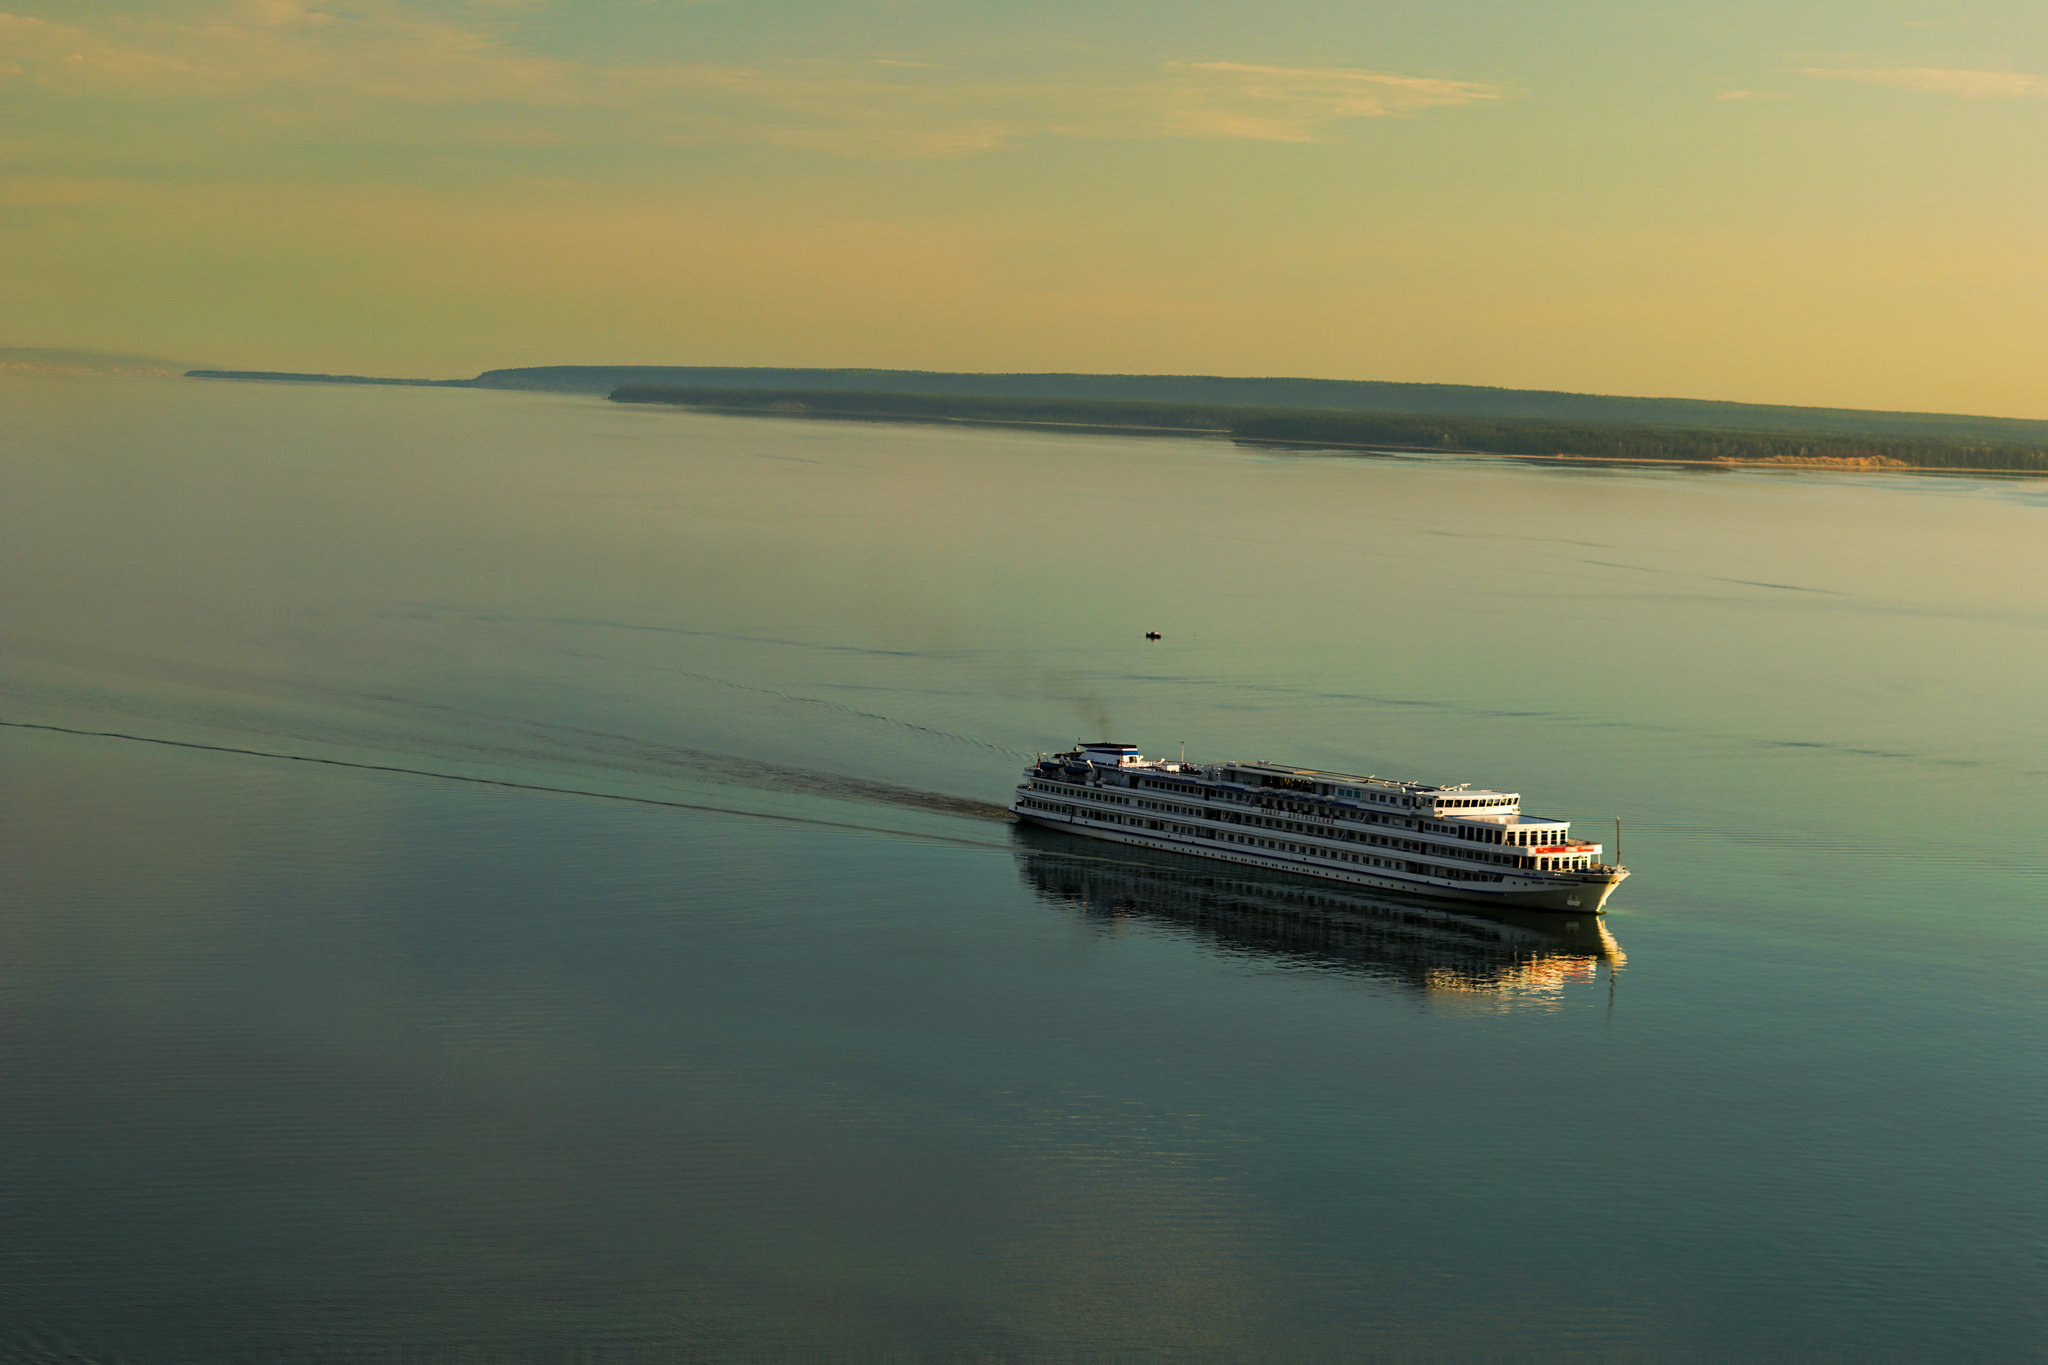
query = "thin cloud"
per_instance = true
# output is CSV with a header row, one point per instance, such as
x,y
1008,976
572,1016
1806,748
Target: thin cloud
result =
x,y
46,53
383,71
1331,92
1940,81
1292,104
1219,100
378,52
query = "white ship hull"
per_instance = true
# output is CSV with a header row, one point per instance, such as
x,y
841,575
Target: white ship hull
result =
x,y
1412,838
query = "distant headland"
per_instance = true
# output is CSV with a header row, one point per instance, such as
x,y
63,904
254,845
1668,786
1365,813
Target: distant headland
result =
x,y
59,361
1309,412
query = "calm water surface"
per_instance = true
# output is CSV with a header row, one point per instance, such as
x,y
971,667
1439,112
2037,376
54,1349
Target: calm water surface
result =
x,y
801,1050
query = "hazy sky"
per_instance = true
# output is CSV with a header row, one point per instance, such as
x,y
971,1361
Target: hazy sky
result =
x,y
1778,200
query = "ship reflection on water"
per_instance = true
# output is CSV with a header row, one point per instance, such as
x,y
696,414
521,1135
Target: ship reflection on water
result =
x,y
1504,956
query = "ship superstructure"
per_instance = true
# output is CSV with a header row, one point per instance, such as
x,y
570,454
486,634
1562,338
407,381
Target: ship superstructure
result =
x,y
1458,842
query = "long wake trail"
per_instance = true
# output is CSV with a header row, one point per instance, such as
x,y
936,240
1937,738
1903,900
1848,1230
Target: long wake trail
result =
x,y
990,812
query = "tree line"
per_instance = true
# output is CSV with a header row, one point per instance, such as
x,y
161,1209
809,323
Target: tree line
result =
x,y
1329,428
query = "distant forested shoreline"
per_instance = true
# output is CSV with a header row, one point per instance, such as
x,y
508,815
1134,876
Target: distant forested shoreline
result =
x,y
1373,430
1397,401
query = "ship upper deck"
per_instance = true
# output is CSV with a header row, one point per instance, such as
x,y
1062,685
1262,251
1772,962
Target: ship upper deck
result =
x,y
1365,789
1282,775
1372,790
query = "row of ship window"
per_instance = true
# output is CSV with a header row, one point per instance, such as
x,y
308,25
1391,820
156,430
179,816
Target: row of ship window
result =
x,y
1169,786
1372,817
1302,850
1278,845
1414,845
1459,803
1480,834
1544,864
1381,797
1086,794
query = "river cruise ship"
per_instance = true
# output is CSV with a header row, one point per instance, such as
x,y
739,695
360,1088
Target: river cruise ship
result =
x,y
1454,842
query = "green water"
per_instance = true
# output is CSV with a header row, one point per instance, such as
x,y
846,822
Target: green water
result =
x,y
801,1050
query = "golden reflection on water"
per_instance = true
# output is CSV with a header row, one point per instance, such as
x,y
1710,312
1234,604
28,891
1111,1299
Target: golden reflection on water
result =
x,y
1550,975
1439,949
